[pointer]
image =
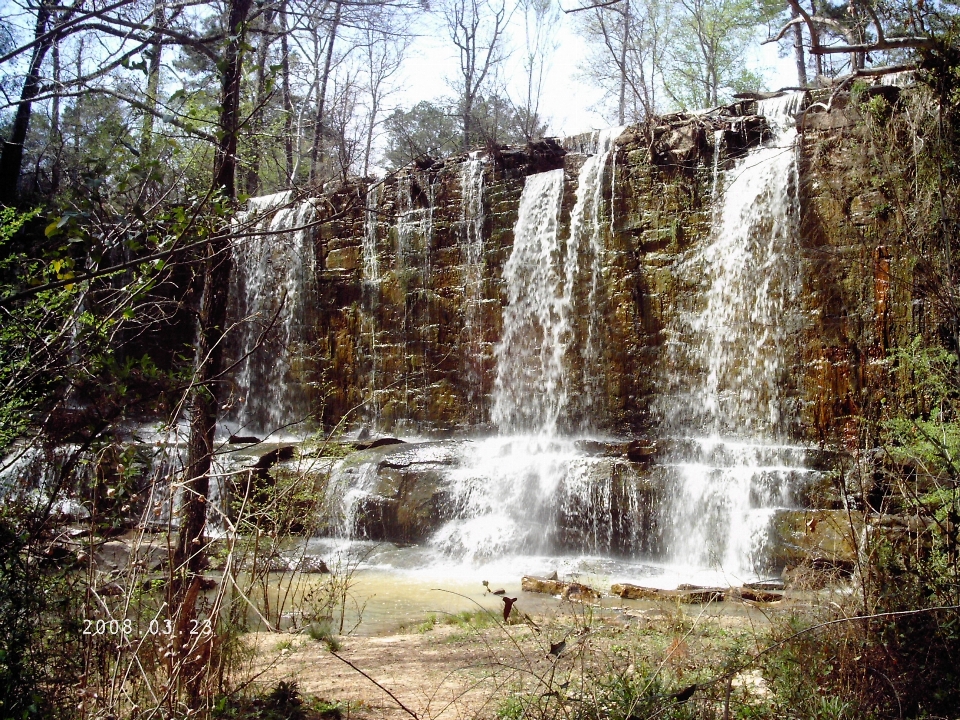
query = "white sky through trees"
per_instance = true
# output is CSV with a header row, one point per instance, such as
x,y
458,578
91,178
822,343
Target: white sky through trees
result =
x,y
570,103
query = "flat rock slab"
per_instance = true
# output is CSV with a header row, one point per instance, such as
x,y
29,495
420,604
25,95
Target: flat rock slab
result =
x,y
693,595
696,594
754,595
566,590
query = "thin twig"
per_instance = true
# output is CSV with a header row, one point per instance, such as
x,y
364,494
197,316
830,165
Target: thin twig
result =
x,y
403,707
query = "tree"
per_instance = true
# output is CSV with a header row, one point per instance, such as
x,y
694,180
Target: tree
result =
x,y
872,32
426,129
630,41
476,28
383,54
11,159
540,17
708,57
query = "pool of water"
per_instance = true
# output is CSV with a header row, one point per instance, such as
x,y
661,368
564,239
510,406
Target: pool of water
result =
x,y
395,587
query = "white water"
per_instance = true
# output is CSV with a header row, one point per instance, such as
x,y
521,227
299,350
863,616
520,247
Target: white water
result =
x,y
370,287
550,282
414,233
471,227
530,391
587,246
533,495
728,370
531,491
274,268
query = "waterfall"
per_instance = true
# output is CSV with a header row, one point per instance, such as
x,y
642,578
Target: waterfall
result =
x,y
530,390
414,235
533,490
274,267
370,287
727,362
587,242
471,229
544,354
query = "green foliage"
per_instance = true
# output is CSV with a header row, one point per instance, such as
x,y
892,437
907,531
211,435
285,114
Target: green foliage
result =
x,y
284,702
321,631
434,130
39,659
925,428
425,129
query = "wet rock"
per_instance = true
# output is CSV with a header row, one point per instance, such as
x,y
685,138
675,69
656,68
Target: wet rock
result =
x,y
244,440
827,538
698,595
408,500
379,442
313,565
841,114
868,207
347,259
679,145
773,584
754,595
641,452
576,592
117,555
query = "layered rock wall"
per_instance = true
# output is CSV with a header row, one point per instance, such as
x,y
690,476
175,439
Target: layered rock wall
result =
x,y
407,317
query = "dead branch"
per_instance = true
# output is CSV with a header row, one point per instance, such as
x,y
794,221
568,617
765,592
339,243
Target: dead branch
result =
x,y
403,707
606,3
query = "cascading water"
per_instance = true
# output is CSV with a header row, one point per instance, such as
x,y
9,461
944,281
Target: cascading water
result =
x,y
273,275
471,223
414,234
370,287
530,391
533,489
586,232
726,364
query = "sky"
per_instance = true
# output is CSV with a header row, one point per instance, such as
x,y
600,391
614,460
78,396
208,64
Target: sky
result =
x,y
568,103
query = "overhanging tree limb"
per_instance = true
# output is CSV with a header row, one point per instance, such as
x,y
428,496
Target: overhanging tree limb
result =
x,y
606,3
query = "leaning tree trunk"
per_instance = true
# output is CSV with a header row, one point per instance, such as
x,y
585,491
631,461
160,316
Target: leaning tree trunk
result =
x,y
189,553
11,159
213,310
798,50
287,97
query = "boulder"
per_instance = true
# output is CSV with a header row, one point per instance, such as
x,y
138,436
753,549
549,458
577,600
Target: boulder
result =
x,y
407,500
824,538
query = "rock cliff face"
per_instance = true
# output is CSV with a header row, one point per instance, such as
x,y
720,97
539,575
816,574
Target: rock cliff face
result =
x,y
405,306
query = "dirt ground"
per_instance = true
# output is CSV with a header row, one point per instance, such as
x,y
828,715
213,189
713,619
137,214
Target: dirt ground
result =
x,y
452,671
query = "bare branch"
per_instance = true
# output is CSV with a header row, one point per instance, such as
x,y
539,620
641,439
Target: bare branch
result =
x,y
605,3
60,30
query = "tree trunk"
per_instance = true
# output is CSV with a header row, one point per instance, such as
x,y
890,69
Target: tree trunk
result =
x,y
153,85
798,50
56,137
316,153
189,556
11,159
623,65
259,100
287,99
